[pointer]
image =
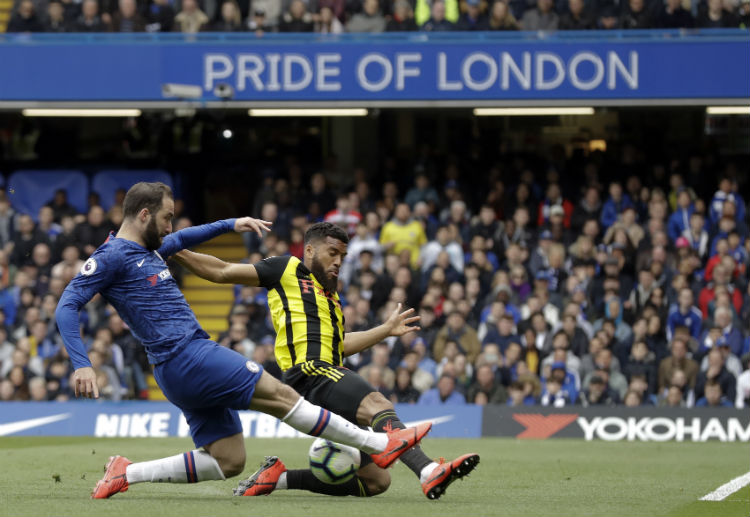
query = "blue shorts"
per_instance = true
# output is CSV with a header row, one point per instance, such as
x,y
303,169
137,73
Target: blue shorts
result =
x,y
209,383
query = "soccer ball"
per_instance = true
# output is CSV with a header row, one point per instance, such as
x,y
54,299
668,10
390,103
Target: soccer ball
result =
x,y
333,463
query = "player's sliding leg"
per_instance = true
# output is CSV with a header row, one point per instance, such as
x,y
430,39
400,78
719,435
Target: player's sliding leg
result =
x,y
434,477
221,459
273,475
281,401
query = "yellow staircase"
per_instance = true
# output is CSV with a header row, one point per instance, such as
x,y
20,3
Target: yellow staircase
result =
x,y
210,302
6,10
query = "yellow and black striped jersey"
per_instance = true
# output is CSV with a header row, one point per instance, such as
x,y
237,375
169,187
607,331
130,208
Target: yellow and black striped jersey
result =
x,y
308,320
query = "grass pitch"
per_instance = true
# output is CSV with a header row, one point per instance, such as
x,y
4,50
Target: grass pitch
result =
x,y
54,476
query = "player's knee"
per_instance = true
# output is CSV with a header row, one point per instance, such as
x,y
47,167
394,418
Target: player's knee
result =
x,y
287,394
232,464
373,404
378,483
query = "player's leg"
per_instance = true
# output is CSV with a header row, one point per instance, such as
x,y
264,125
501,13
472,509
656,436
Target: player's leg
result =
x,y
340,391
217,430
370,480
434,477
282,401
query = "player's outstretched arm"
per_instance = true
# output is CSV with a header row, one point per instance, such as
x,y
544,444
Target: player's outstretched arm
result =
x,y
194,235
397,324
216,270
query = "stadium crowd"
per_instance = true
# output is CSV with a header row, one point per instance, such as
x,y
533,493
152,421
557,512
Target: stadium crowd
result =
x,y
531,290
370,16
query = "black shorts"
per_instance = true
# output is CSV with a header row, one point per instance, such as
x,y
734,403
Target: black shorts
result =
x,y
334,388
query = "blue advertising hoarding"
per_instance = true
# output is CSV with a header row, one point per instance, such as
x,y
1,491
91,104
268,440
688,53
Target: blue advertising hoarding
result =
x,y
162,419
415,67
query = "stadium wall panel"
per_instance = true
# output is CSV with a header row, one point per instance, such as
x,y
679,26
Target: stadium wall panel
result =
x,y
567,67
616,424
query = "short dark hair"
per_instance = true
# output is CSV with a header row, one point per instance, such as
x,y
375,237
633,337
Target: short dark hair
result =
x,y
319,231
145,195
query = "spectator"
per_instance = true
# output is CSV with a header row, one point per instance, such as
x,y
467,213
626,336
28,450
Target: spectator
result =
x,y
713,396
721,281
55,22
501,18
446,242
25,19
487,383
271,10
403,392
160,16
679,221
458,331
343,215
95,230
421,368
636,16
684,314
577,18
327,22
731,362
421,191
599,394
437,21
26,239
190,19
47,225
615,204
402,19
553,198
380,359
369,19
403,235
472,19
716,371
443,394
540,18
725,334
231,18
296,19
641,363
715,17
126,19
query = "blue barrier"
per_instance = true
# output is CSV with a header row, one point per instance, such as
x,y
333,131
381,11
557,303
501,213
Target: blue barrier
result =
x,y
106,183
589,66
29,190
161,419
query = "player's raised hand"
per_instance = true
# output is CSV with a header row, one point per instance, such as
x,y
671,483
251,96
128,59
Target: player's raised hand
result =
x,y
85,383
399,323
249,224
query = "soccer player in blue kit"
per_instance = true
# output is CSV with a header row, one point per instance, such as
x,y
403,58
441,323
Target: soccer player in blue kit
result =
x,y
209,383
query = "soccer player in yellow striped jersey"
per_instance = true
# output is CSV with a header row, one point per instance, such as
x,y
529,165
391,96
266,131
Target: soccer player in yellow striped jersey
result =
x,y
310,348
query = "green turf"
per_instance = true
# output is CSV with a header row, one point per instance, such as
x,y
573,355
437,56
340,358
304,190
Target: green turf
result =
x,y
53,476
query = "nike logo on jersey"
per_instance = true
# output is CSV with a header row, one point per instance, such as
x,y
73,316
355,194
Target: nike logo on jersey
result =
x,y
139,264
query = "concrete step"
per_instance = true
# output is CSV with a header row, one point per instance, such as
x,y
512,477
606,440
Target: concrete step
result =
x,y
208,294
226,253
211,309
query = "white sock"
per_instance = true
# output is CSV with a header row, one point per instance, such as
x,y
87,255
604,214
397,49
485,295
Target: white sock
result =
x,y
316,421
425,472
281,483
189,467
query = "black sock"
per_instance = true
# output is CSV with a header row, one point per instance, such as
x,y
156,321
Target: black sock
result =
x,y
306,480
414,458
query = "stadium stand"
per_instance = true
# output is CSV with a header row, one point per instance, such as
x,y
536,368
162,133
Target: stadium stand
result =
x,y
570,292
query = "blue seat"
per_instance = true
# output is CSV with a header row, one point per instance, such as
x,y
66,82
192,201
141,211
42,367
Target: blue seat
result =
x,y
29,190
106,183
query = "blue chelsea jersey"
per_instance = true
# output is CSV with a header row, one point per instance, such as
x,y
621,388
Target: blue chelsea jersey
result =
x,y
139,285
